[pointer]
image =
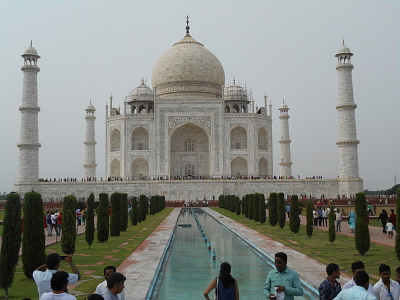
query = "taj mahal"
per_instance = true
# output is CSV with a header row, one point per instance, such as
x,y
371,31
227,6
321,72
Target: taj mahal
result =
x,y
189,136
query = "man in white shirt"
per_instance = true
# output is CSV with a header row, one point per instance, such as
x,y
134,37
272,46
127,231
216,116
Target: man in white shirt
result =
x,y
386,288
102,287
357,267
59,286
43,277
358,291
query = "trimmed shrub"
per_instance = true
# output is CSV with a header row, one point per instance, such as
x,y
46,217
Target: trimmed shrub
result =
x,y
273,209
115,220
250,206
332,233
143,207
134,212
11,241
256,208
221,201
261,206
124,211
244,212
281,210
103,221
89,232
33,242
362,238
237,205
68,237
294,220
309,225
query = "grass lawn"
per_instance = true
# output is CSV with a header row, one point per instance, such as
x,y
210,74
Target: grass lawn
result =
x,y
343,251
91,262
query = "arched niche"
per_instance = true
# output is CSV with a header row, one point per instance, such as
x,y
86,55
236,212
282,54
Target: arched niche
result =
x,y
239,167
140,169
262,139
238,138
115,168
140,139
263,167
115,141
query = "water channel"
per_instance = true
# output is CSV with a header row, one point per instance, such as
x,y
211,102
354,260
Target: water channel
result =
x,y
188,266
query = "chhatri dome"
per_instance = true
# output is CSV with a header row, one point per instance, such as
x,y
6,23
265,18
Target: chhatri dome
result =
x,y
188,70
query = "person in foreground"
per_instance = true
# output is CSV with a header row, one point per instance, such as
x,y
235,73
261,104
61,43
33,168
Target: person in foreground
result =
x,y
282,283
226,286
59,284
356,267
330,287
359,291
115,285
386,288
42,276
102,287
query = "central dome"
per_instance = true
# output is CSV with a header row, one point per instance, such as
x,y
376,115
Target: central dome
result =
x,y
188,70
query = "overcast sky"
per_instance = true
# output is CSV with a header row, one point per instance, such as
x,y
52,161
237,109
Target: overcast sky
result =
x,y
90,49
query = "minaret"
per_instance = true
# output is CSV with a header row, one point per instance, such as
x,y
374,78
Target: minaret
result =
x,y
90,143
29,132
285,163
347,141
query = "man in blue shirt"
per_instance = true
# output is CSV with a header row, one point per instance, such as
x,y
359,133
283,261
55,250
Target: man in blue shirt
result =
x,y
330,287
282,280
359,291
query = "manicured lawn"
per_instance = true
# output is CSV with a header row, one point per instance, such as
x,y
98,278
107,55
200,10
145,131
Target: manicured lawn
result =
x,y
91,262
342,252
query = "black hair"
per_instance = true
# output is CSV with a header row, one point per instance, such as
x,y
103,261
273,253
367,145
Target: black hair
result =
x,y
281,255
331,267
59,280
225,275
109,268
357,265
95,297
361,278
384,268
398,270
115,278
52,260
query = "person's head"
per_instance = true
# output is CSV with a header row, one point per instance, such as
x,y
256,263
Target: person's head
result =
x,y
333,270
357,266
115,283
384,271
392,210
95,297
59,281
108,270
362,279
225,268
280,261
53,261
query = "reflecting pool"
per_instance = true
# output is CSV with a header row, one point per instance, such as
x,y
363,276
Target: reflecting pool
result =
x,y
188,267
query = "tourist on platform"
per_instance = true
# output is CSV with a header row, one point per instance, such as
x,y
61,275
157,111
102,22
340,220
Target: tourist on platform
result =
x,y
59,286
226,287
282,282
102,287
383,216
357,267
386,288
43,277
330,287
352,221
115,285
393,218
359,290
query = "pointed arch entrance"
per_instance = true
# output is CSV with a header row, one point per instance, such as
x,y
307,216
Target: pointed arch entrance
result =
x,y
189,151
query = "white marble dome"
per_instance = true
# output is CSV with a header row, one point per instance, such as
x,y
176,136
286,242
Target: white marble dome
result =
x,y
188,70
235,92
30,51
142,93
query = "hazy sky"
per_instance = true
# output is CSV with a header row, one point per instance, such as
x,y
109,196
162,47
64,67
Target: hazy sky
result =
x,y
90,49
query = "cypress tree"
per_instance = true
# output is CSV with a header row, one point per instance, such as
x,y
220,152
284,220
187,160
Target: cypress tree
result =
x,y
103,221
11,241
68,237
397,242
33,241
89,232
244,212
134,212
309,226
143,206
124,211
362,238
226,202
332,233
115,220
221,201
281,210
139,207
256,208
250,206
233,203
294,220
237,205
273,209
261,205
